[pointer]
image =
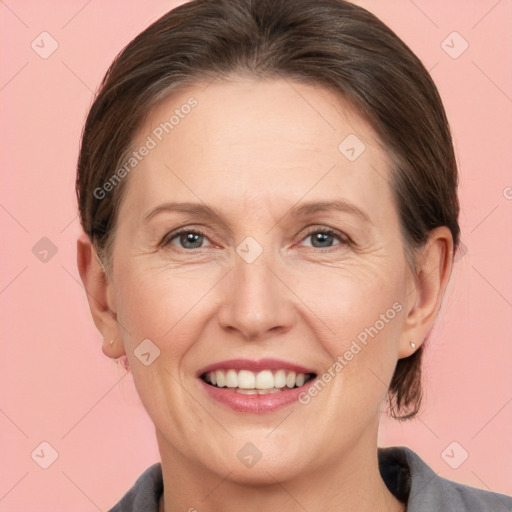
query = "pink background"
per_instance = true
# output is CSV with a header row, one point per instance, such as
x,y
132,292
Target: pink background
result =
x,y
56,385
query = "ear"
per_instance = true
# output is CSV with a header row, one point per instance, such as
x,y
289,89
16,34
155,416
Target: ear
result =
x,y
428,284
100,296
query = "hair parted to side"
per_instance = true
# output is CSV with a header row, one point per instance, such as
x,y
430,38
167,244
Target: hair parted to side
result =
x,y
328,43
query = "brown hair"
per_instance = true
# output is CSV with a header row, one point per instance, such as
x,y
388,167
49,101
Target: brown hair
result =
x,y
327,43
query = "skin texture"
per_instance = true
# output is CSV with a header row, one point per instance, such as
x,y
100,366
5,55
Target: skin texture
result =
x,y
254,150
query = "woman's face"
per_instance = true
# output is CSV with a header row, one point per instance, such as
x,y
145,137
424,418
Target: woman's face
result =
x,y
252,277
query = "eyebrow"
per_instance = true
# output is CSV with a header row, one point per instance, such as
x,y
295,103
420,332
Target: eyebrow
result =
x,y
302,210
201,210
310,208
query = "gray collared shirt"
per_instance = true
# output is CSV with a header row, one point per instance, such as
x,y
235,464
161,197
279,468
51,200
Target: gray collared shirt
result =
x,y
407,476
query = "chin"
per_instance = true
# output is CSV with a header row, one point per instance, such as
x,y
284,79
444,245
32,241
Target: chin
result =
x,y
266,471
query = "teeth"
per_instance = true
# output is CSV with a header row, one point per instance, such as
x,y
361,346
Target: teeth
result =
x,y
280,379
231,379
246,380
250,383
221,378
247,391
290,379
265,380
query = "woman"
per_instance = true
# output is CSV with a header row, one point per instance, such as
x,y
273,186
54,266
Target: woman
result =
x,y
268,190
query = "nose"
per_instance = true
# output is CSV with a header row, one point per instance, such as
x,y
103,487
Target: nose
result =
x,y
257,304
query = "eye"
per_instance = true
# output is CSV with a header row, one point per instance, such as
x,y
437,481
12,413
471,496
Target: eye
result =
x,y
191,239
323,237
186,238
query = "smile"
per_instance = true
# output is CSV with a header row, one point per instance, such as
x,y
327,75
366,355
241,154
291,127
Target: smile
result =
x,y
251,383
249,386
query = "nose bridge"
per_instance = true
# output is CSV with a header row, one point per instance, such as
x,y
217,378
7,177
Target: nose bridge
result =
x,y
255,300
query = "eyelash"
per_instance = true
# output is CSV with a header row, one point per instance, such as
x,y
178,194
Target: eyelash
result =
x,y
344,239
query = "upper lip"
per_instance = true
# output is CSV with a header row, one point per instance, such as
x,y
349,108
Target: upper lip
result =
x,y
255,366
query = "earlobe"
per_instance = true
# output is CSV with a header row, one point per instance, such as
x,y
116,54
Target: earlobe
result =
x,y
431,276
100,297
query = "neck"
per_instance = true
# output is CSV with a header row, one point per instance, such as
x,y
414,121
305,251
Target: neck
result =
x,y
353,483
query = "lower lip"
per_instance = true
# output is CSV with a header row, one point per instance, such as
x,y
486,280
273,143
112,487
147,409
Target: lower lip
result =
x,y
257,404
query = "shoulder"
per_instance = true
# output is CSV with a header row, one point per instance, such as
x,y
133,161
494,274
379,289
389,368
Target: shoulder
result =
x,y
145,493
427,491
405,473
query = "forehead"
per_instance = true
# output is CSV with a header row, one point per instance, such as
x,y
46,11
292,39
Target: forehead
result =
x,y
256,140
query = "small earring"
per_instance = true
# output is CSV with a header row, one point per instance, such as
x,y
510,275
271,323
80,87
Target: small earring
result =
x,y
112,341
413,345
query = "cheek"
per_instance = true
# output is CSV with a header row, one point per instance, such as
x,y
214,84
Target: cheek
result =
x,y
363,312
154,304
354,303
163,307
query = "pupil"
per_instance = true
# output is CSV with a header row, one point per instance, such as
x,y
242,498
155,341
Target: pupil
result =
x,y
191,238
321,238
